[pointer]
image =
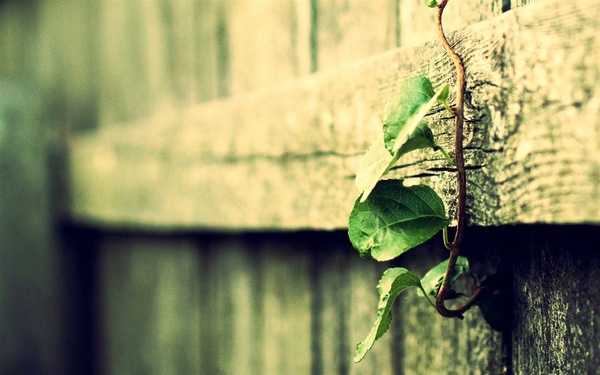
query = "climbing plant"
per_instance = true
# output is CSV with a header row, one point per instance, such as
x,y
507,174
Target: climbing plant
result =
x,y
390,218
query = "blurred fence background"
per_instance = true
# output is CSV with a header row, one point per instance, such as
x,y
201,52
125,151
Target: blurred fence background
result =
x,y
76,297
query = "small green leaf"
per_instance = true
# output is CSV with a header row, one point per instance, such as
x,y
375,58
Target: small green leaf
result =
x,y
443,94
394,219
413,94
404,116
393,282
432,281
375,163
416,99
431,3
422,137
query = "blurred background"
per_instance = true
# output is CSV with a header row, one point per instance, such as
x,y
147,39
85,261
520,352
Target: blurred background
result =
x,y
81,299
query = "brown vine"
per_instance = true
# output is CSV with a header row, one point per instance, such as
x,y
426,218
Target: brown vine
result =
x,y
454,246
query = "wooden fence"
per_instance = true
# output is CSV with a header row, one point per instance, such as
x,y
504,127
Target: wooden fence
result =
x,y
177,177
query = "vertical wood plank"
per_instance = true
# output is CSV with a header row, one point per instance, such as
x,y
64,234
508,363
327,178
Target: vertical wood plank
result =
x,y
268,42
362,311
150,306
258,304
17,38
351,30
179,18
432,344
344,306
133,78
262,305
64,63
154,55
417,21
330,308
150,60
557,308
520,3
158,54
210,50
286,308
31,296
231,307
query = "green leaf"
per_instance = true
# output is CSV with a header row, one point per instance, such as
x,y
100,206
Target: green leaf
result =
x,y
443,94
375,163
431,3
422,137
416,95
394,219
393,282
416,99
432,281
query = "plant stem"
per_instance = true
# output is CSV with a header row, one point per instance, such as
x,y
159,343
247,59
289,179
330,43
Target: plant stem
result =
x,y
454,246
440,301
459,160
427,297
447,156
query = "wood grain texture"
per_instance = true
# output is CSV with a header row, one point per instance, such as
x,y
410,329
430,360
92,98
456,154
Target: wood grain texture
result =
x,y
417,22
431,345
532,74
556,301
260,303
298,302
274,303
520,3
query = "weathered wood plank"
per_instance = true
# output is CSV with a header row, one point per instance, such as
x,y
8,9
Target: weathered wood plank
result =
x,y
231,280
63,53
330,279
286,308
242,315
267,304
268,42
252,301
259,305
361,310
162,54
520,3
32,301
347,31
433,345
285,157
133,56
557,308
16,38
150,309
417,22
210,67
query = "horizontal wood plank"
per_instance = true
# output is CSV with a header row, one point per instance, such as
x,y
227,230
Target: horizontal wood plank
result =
x,y
285,157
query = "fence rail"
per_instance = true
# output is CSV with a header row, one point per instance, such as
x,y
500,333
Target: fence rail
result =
x,y
285,157
181,128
